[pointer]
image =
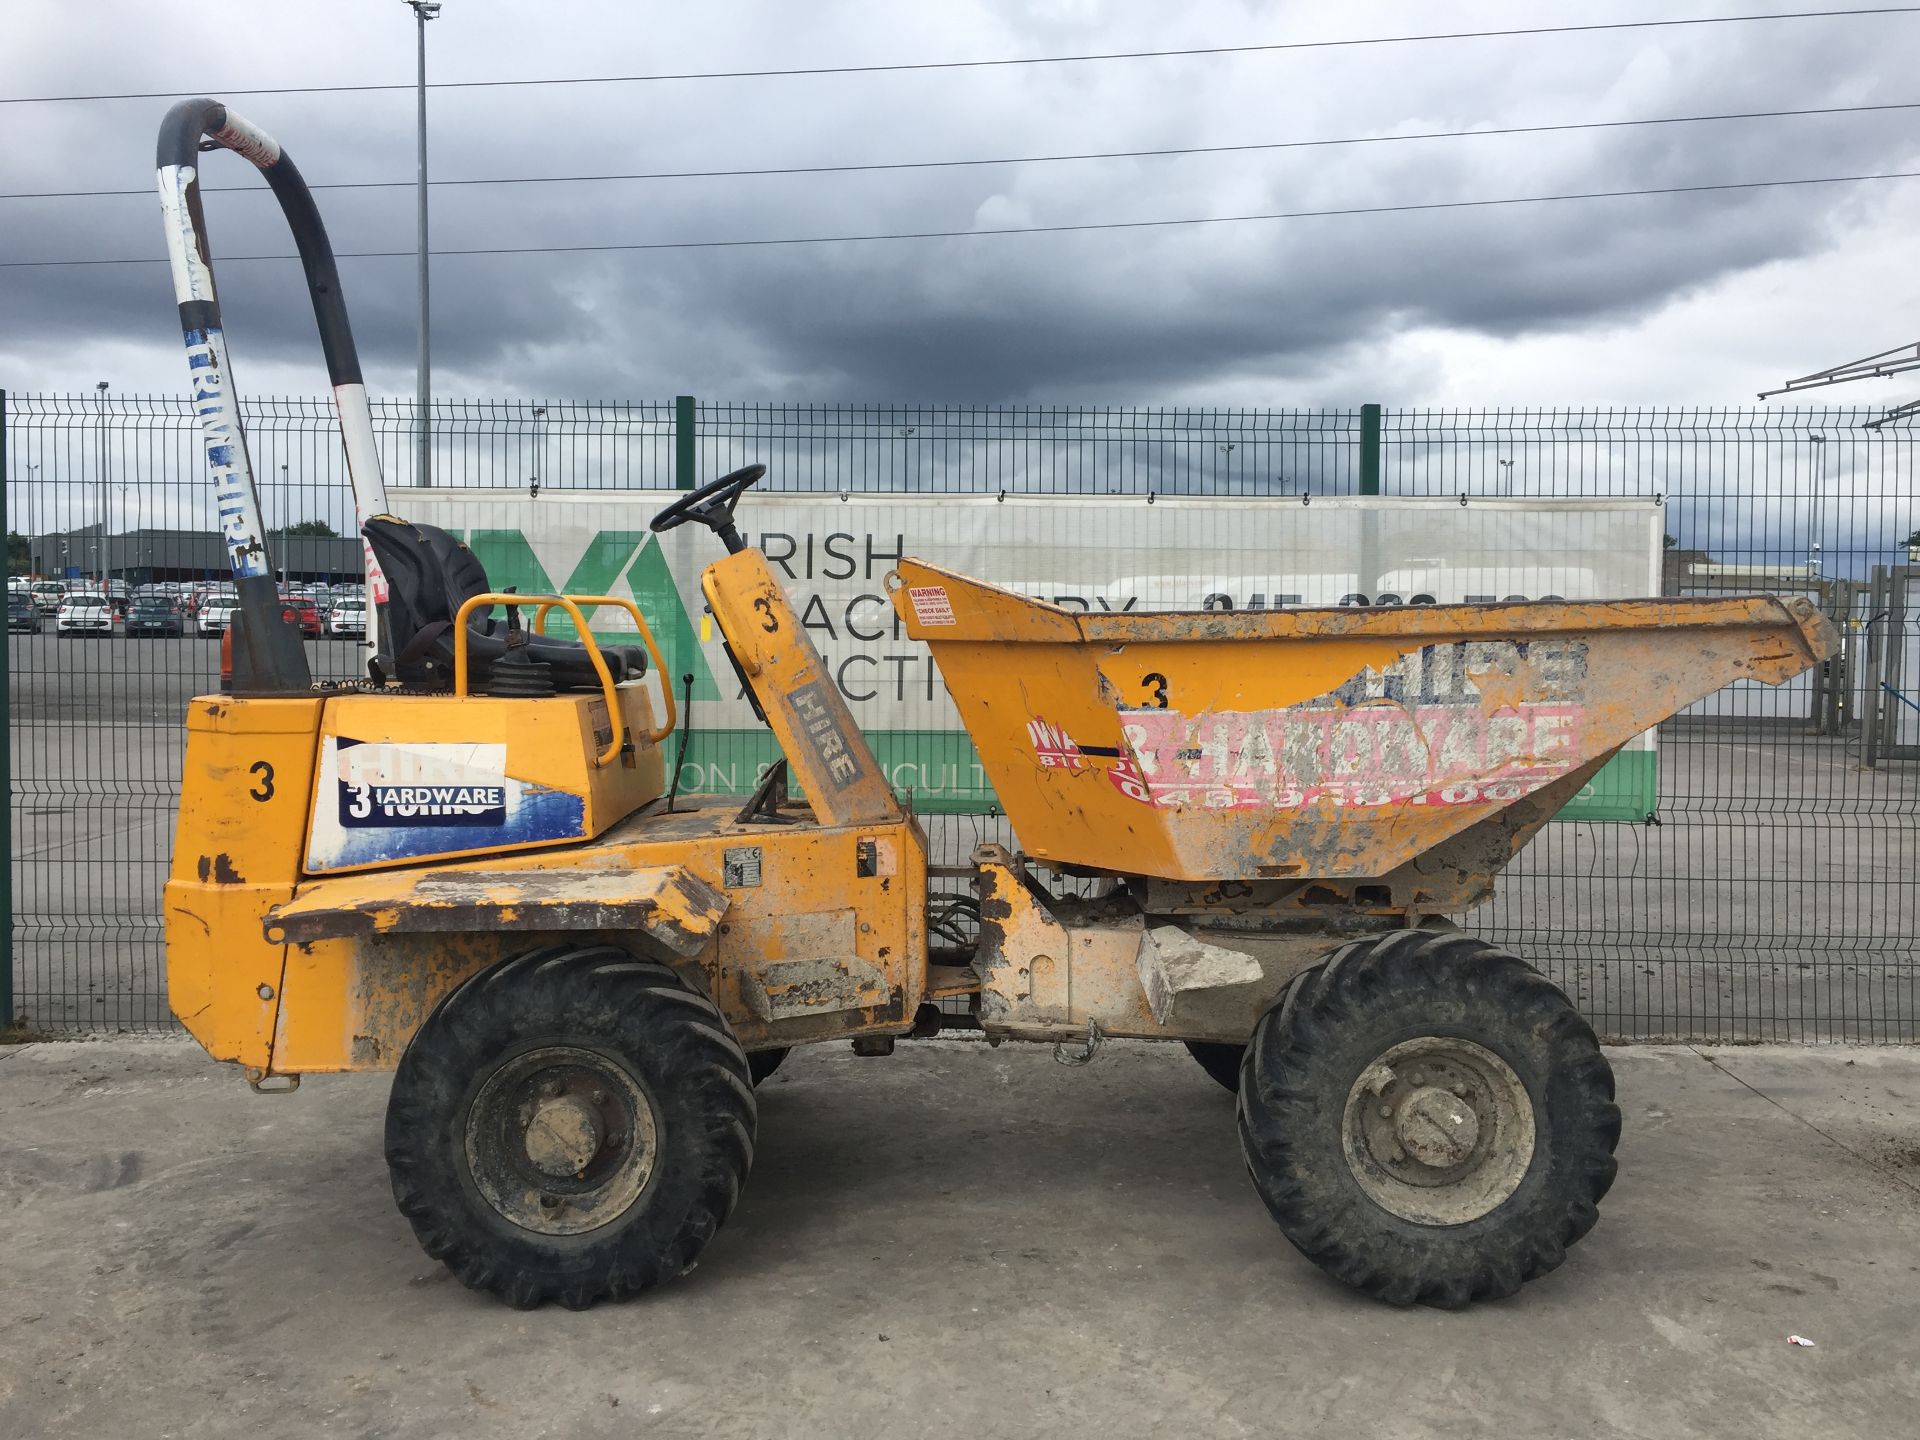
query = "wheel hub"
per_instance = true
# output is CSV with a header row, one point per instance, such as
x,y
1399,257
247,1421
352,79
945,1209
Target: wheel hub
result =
x,y
561,1140
564,1136
1439,1130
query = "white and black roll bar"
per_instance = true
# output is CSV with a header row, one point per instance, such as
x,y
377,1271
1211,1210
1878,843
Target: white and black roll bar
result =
x,y
268,655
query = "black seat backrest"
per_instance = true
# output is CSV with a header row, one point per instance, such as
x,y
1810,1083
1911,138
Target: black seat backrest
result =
x,y
430,575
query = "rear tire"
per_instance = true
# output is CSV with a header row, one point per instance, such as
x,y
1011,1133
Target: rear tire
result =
x,y
573,1125
1428,1119
1220,1060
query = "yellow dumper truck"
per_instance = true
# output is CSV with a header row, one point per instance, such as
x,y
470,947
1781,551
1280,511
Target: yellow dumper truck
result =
x,y
1243,832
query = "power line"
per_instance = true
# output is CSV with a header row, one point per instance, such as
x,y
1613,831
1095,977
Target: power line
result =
x,y
897,68
1019,229
147,190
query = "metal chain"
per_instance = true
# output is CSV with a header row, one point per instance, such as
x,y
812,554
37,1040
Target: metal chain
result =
x,y
1095,1037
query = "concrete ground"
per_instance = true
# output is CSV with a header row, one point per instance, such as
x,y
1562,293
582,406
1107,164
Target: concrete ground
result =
x,y
954,1241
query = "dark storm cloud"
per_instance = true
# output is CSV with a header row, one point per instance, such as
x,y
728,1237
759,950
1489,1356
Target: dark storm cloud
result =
x,y
1129,315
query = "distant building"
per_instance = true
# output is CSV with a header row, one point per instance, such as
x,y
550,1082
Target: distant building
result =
x,y
142,556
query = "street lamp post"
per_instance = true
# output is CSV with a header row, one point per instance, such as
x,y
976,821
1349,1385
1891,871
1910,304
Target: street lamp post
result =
x,y
423,11
101,389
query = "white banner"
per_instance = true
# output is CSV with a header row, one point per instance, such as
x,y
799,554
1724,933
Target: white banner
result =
x,y
1083,552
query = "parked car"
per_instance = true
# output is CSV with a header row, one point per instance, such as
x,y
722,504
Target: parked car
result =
x,y
207,595
216,613
48,595
154,615
22,614
348,619
85,615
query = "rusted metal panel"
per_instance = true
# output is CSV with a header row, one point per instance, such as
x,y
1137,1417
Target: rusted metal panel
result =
x,y
1051,968
353,1003
675,908
827,974
1316,744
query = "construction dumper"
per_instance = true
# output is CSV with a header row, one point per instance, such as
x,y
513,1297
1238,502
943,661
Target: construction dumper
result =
x,y
1248,833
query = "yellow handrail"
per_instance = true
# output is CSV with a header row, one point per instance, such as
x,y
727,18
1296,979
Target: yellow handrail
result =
x,y
571,604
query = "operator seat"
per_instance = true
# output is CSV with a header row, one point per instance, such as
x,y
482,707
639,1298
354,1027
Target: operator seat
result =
x,y
429,576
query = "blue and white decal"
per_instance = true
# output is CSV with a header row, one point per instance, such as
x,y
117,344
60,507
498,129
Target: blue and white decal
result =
x,y
379,802
226,448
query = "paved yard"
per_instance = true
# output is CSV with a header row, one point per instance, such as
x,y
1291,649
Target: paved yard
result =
x,y
956,1241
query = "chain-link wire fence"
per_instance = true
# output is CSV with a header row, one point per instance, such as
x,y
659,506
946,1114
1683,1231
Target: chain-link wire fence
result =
x,y
1772,894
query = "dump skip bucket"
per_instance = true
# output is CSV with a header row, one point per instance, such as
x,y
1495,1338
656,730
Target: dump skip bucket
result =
x,y
1316,743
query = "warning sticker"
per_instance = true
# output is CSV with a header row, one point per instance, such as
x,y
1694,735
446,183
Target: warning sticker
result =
x,y
930,604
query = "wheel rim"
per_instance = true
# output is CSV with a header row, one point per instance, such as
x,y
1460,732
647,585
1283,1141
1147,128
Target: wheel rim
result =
x,y
1438,1130
561,1140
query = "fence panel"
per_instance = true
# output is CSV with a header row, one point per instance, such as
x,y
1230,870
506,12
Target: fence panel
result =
x,y
1774,893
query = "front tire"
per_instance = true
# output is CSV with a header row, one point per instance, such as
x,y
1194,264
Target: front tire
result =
x,y
1428,1119
573,1125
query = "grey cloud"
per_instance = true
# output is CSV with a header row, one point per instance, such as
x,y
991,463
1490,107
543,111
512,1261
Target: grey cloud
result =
x,y
1124,316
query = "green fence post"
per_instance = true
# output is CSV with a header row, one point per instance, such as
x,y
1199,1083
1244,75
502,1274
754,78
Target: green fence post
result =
x,y
6,759
683,441
1369,449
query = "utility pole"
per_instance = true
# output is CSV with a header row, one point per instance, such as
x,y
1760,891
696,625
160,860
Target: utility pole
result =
x,y
101,390
423,11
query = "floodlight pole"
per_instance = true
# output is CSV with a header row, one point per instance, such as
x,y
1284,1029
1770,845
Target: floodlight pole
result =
x,y
423,11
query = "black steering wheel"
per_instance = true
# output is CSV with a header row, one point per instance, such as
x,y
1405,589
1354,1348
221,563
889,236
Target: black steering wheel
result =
x,y
712,506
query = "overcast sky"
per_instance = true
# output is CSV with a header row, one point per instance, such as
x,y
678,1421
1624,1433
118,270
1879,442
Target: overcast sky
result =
x,y
1698,299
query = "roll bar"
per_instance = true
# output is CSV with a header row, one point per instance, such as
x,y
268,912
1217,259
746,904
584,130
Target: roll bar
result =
x,y
269,657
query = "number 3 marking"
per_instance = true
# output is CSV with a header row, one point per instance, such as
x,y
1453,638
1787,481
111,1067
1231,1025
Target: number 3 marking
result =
x,y
264,790
1156,685
765,607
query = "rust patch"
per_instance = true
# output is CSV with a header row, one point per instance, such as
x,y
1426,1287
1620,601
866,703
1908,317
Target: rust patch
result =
x,y
219,869
673,907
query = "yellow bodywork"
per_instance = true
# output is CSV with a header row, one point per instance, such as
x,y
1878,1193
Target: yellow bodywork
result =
x,y
1329,772
290,961
1308,744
